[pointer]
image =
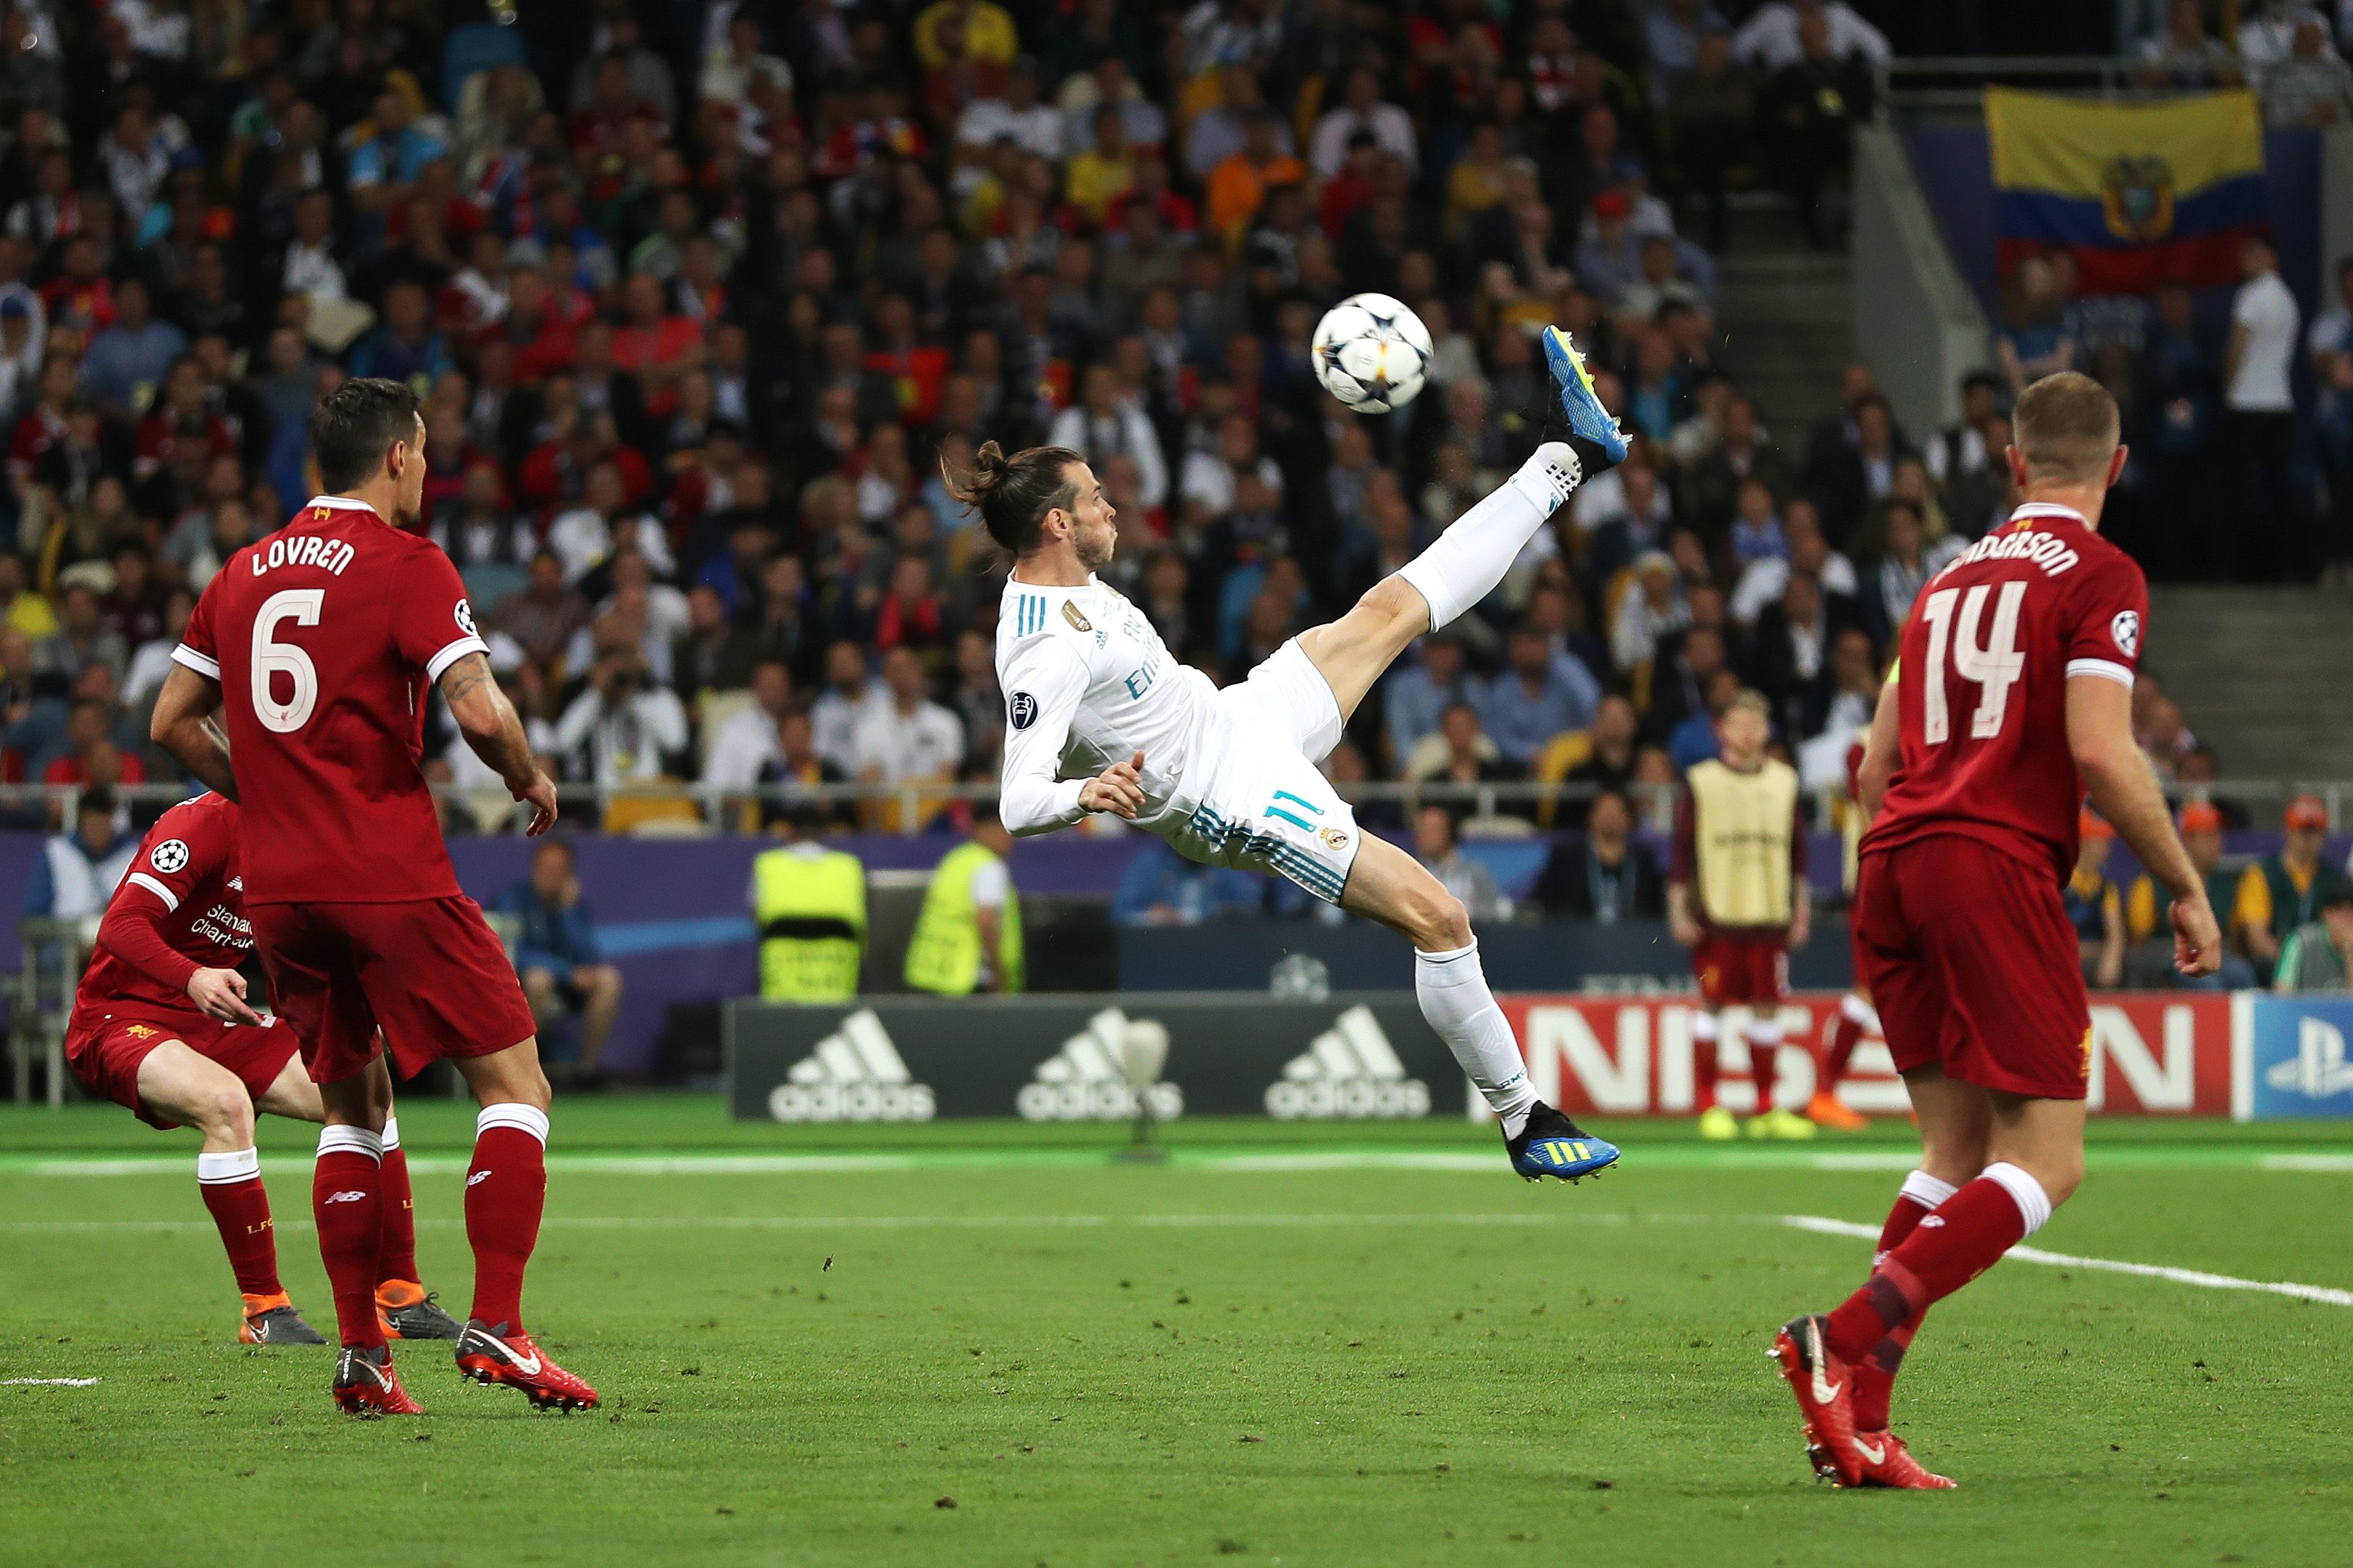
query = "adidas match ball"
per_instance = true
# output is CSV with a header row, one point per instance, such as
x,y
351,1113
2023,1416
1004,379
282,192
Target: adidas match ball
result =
x,y
1371,353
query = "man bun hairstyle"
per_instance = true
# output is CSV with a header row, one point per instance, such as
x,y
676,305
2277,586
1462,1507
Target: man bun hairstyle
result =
x,y
2065,426
353,426
1014,494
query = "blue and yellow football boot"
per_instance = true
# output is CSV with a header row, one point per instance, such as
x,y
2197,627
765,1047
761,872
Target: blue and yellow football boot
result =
x,y
1592,433
1552,1145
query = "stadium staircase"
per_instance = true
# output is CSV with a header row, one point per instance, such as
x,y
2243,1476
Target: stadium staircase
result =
x,y
2262,676
1783,319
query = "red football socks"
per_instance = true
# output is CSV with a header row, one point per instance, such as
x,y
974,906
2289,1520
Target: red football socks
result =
x,y
506,1188
231,1185
1706,1062
1965,1237
1844,1036
347,1196
1874,1379
1763,1055
396,1255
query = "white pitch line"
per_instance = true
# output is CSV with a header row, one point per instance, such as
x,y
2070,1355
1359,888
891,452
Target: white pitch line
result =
x,y
1447,1159
1345,1160
2306,1162
939,1222
592,1165
2325,1294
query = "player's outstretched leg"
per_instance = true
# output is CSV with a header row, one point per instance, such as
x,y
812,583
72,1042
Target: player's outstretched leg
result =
x,y
1387,885
405,1308
506,1190
1464,564
178,1084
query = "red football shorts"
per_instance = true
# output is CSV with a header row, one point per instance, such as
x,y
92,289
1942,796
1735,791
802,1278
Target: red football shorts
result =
x,y
1737,971
428,972
1972,965
105,1051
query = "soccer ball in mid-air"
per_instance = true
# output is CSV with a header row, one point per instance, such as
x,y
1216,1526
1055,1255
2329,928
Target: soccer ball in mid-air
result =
x,y
1371,353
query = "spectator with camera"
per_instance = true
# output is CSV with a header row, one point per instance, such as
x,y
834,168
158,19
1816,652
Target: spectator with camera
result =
x,y
623,728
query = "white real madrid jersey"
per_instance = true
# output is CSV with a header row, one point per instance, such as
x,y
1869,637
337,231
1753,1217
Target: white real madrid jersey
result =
x,y
1087,683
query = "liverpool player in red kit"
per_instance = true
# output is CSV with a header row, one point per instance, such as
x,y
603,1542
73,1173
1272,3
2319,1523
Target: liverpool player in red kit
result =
x,y
161,1026
2012,696
315,646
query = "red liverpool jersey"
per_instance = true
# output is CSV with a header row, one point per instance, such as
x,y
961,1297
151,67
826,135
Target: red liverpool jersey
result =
x,y
188,865
324,636
1981,685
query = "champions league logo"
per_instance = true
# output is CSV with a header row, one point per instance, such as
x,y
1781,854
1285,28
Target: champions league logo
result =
x,y
466,619
2126,629
169,856
1023,710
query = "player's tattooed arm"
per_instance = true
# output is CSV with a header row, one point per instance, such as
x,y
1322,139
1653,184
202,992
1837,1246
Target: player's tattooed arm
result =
x,y
493,728
185,727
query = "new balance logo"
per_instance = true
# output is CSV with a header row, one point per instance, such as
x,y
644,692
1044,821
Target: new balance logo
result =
x,y
1350,1072
854,1074
344,1198
1933,1222
2319,1069
478,1178
1083,1081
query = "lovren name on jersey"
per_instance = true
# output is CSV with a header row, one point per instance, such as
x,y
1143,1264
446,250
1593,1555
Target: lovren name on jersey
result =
x,y
324,637
330,555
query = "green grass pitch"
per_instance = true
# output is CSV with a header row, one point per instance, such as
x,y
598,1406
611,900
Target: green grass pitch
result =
x,y
1268,1350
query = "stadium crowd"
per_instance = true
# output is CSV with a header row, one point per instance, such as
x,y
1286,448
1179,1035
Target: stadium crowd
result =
x,y
697,296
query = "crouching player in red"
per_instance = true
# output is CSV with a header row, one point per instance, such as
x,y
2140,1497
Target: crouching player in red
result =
x,y
316,647
2012,696
161,1026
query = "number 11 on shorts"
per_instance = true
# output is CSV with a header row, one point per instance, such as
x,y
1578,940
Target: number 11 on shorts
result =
x,y
1278,810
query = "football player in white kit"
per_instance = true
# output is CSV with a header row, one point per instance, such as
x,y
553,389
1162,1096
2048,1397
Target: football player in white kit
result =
x,y
1101,718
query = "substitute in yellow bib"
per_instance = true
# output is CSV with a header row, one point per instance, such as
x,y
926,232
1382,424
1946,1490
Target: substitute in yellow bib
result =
x,y
1737,896
809,903
968,937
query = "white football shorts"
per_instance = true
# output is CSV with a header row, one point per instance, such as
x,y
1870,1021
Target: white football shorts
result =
x,y
1261,803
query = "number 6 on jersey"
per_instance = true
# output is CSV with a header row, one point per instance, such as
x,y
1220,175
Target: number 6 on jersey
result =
x,y
271,657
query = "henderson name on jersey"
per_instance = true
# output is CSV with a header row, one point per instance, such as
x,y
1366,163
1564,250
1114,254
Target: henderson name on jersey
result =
x,y
1981,685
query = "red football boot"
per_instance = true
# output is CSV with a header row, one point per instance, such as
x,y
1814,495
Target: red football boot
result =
x,y
1825,1389
488,1355
1886,1462
365,1385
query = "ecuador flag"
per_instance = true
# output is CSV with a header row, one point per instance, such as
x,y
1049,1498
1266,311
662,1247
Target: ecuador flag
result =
x,y
2142,193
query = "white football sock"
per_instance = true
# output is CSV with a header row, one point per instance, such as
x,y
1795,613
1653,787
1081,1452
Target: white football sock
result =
x,y
2033,1202
1452,990
345,1139
224,1170
524,1118
1463,564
